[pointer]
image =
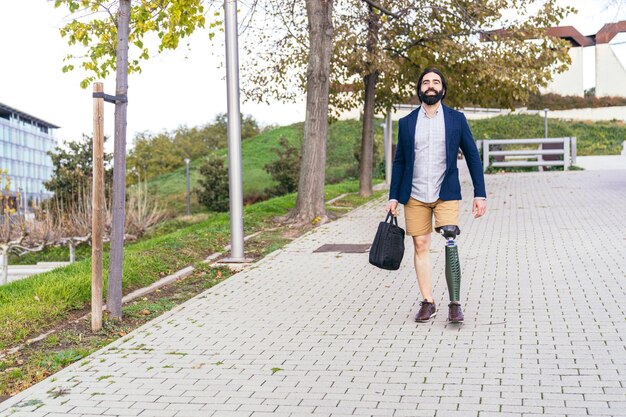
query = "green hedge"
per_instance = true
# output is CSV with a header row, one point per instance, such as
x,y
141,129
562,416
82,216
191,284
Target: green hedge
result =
x,y
593,138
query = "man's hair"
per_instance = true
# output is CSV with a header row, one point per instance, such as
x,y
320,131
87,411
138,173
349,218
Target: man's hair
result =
x,y
440,74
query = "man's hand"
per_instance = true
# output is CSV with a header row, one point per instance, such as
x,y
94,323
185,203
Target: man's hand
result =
x,y
479,207
392,206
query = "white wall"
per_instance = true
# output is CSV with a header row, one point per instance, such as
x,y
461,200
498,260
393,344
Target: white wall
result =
x,y
610,73
591,114
570,82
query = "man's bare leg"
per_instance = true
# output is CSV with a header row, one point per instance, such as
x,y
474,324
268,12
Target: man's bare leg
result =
x,y
422,265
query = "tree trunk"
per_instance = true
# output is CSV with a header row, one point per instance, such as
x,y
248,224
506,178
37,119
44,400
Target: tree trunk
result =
x,y
114,291
4,265
310,200
367,135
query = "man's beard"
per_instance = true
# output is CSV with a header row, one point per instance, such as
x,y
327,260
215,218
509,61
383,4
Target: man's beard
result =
x,y
430,100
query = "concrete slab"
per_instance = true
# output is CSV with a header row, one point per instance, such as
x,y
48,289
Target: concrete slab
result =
x,y
602,162
17,272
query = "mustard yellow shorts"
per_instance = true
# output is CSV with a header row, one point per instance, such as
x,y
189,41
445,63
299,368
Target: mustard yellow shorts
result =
x,y
419,216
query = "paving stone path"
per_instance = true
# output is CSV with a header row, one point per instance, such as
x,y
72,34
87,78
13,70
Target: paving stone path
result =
x,y
327,334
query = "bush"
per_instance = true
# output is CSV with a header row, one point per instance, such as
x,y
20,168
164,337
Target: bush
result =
x,y
160,153
142,211
213,190
285,170
558,102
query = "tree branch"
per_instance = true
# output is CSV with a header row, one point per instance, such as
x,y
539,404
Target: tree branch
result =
x,y
382,9
20,250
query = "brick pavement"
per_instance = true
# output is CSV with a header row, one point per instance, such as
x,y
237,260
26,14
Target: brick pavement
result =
x,y
326,334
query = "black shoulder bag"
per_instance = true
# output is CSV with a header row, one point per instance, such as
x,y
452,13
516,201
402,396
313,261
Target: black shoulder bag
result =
x,y
388,247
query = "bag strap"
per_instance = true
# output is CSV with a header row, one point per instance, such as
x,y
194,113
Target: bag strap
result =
x,y
394,219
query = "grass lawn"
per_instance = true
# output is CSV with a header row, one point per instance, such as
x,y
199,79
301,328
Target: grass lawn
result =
x,y
344,138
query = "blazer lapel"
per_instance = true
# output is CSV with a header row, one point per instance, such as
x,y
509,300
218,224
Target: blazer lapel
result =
x,y
447,119
412,121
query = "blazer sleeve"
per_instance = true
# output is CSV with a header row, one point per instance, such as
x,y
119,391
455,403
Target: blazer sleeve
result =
x,y
472,157
397,169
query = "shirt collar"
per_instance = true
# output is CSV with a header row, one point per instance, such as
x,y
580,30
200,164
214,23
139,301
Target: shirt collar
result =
x,y
422,112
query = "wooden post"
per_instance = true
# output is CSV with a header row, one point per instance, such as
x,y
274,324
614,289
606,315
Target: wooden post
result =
x,y
97,213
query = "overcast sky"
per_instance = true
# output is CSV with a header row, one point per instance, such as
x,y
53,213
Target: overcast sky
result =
x,y
176,88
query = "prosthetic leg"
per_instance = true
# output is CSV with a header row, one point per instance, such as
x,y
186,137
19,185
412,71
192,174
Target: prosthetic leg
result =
x,y
453,271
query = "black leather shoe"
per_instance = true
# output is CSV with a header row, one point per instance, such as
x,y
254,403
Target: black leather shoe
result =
x,y
427,311
455,314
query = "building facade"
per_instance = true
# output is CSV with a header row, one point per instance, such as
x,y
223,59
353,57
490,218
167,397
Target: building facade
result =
x,y
24,143
571,81
610,71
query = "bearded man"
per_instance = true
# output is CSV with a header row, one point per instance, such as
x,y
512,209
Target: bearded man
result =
x,y
425,179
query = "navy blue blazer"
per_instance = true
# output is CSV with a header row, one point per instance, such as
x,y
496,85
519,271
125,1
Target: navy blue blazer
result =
x,y
458,135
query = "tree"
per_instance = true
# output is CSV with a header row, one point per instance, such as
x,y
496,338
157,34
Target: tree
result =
x,y
399,44
116,262
249,126
152,155
370,79
94,26
381,47
285,170
310,200
155,154
108,42
297,48
213,190
174,19
72,172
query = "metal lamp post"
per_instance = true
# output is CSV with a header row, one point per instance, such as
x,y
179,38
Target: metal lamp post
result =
x,y
234,134
545,134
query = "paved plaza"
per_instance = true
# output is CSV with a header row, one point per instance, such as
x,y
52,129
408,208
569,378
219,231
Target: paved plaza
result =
x,y
327,334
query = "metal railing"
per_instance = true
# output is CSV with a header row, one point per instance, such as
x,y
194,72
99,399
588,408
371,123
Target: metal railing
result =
x,y
523,157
